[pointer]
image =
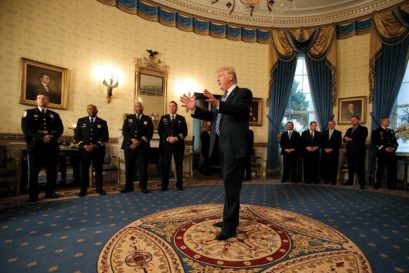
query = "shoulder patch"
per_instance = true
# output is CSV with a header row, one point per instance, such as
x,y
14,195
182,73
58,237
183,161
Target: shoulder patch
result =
x,y
25,114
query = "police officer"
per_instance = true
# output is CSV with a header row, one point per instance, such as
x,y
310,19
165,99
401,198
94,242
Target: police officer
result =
x,y
91,134
172,131
386,144
42,128
137,131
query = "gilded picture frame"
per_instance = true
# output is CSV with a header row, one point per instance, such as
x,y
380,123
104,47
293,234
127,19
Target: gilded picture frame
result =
x,y
42,78
351,106
256,112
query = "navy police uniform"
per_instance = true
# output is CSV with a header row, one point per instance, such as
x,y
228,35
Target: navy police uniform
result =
x,y
91,132
35,124
139,127
172,128
383,138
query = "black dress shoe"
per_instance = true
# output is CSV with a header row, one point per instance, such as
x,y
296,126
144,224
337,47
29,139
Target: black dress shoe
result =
x,y
144,191
223,235
218,224
52,195
125,190
82,194
103,192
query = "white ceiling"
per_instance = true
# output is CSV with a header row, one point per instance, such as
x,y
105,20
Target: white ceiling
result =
x,y
305,13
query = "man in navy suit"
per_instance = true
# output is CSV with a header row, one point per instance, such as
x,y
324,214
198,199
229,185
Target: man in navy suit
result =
x,y
355,138
331,141
137,131
172,130
230,122
289,149
311,143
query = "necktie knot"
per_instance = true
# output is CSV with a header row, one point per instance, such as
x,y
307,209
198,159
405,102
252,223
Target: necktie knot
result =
x,y
43,111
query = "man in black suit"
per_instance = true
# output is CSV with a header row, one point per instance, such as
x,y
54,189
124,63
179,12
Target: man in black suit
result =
x,y
310,144
386,144
42,128
331,142
91,134
205,167
289,149
230,121
355,138
172,130
137,131
43,87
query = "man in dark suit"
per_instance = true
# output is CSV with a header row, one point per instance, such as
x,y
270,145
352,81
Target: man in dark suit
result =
x,y
331,142
137,131
204,149
386,144
44,88
42,128
289,149
355,138
91,134
172,130
230,121
310,144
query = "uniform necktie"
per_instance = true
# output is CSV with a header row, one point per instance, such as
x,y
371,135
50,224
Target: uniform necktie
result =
x,y
219,116
91,121
43,111
172,118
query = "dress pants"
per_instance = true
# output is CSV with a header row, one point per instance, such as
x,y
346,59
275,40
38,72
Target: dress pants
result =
x,y
389,160
356,164
97,160
47,158
311,167
233,174
166,160
329,167
136,161
290,167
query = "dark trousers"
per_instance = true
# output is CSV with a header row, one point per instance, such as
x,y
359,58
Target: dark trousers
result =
x,y
47,158
166,159
136,161
233,174
389,160
290,167
97,160
329,167
356,164
311,167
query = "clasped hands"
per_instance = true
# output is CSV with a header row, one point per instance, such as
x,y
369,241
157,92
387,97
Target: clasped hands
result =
x,y
189,101
135,143
312,148
89,147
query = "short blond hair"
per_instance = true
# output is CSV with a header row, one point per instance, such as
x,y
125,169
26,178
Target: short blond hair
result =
x,y
230,71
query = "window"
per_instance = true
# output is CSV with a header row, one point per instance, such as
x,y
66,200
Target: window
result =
x,y
400,115
300,109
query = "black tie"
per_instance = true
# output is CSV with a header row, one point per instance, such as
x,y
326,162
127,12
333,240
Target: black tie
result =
x,y
43,111
91,121
172,118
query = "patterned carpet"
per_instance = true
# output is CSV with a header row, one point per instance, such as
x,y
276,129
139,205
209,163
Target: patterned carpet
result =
x,y
284,228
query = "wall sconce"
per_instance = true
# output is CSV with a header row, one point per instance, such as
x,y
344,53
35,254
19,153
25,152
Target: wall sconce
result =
x,y
110,86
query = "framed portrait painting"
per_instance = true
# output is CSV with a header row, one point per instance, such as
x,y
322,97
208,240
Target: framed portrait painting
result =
x,y
256,112
40,78
353,106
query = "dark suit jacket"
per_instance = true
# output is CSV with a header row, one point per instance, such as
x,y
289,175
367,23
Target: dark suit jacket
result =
x,y
293,143
177,128
34,126
141,129
306,141
333,143
357,145
234,127
87,133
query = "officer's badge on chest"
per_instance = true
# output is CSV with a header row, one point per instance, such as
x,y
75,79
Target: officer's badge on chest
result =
x,y
130,120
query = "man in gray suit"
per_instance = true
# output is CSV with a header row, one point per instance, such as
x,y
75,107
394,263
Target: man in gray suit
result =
x,y
230,123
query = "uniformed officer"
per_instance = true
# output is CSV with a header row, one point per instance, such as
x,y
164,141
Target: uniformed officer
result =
x,y
91,134
172,130
42,128
137,131
385,141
